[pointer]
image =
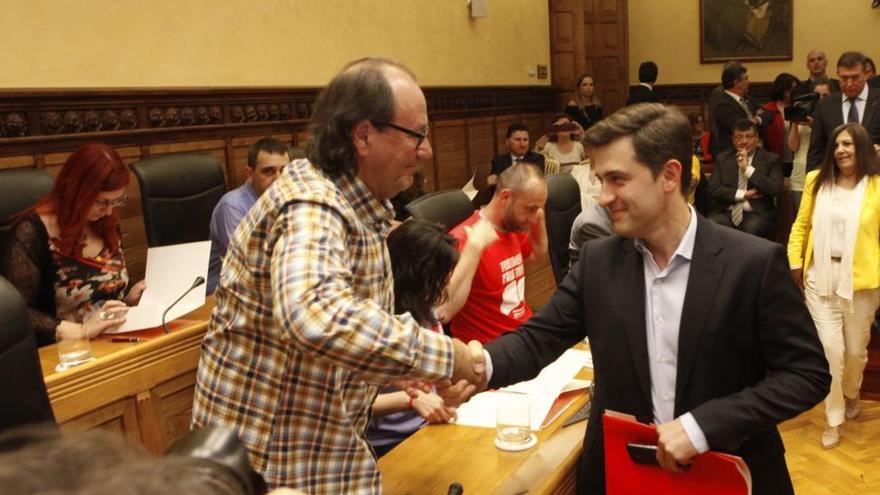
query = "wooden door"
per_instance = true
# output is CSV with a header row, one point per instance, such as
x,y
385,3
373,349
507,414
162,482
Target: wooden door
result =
x,y
590,36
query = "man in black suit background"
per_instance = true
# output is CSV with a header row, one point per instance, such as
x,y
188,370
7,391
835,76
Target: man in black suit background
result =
x,y
817,64
693,326
855,102
744,184
733,105
518,151
644,92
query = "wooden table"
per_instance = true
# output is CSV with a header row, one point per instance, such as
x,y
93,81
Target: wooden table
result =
x,y
143,390
437,455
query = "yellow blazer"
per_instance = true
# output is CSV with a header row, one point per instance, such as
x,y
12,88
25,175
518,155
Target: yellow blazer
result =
x,y
866,259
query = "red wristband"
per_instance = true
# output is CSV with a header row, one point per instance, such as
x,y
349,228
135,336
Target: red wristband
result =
x,y
410,403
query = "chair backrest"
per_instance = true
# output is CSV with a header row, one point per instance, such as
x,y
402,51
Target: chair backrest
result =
x,y
551,166
563,206
23,396
178,193
448,208
19,189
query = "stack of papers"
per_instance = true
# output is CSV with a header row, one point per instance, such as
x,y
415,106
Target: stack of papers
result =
x,y
171,270
541,391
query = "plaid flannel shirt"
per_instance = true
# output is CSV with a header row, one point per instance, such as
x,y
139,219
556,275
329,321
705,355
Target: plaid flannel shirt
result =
x,y
302,334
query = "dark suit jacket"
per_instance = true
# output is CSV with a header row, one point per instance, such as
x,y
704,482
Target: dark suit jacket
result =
x,y
829,114
725,113
641,94
748,353
767,178
501,162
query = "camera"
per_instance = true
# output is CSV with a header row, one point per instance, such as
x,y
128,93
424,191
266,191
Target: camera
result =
x,y
801,108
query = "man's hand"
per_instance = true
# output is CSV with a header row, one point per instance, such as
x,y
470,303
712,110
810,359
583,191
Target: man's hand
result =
x,y
455,395
481,234
491,180
469,363
753,193
674,447
742,159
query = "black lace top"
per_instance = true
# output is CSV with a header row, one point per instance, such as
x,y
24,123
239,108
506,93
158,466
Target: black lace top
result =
x,y
58,287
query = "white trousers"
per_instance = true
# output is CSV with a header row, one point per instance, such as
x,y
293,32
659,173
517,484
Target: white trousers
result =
x,y
845,336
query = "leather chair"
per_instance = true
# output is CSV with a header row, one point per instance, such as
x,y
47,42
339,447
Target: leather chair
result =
x,y
563,206
178,194
23,396
448,208
20,188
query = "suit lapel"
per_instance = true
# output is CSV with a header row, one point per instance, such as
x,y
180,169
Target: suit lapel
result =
x,y
870,107
703,280
632,310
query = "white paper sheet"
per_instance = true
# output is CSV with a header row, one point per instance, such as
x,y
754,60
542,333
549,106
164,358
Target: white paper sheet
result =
x,y
542,392
171,270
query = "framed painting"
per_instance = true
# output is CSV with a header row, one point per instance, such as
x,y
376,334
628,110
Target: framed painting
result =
x,y
745,30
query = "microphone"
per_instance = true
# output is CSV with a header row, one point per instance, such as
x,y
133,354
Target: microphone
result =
x,y
197,282
455,489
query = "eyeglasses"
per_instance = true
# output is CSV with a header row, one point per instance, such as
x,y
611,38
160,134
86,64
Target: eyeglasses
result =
x,y
420,136
111,203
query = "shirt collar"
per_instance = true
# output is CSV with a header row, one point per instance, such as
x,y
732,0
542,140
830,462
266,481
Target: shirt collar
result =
x,y
735,96
685,247
367,207
647,86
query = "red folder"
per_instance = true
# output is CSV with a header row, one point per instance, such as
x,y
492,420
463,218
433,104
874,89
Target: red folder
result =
x,y
711,472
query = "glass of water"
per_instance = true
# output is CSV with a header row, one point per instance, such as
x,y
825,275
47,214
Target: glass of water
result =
x,y
73,351
513,423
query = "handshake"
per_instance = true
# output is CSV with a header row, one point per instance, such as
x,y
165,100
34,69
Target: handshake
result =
x,y
468,376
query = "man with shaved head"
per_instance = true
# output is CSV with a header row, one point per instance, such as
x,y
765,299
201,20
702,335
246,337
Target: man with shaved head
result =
x,y
492,294
303,332
817,64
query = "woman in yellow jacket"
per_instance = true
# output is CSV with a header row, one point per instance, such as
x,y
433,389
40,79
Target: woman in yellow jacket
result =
x,y
834,254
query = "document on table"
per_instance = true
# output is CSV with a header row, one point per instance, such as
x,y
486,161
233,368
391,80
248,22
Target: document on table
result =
x,y
541,391
171,270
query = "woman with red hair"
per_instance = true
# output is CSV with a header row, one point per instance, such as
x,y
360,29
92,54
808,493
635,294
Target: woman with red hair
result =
x,y
64,253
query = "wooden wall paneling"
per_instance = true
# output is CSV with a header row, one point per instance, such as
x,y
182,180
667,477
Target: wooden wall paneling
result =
x,y
450,149
17,161
119,417
173,401
481,148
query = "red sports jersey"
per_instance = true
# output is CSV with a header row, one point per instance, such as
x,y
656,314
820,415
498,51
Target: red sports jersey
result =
x,y
496,303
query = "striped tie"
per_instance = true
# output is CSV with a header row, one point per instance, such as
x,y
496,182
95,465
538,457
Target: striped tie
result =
x,y
736,213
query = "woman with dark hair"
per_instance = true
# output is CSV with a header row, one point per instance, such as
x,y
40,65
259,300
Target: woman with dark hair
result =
x,y
585,108
65,255
423,257
776,132
833,251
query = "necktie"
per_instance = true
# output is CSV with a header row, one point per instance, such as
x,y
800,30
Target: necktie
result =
x,y
853,116
736,213
742,103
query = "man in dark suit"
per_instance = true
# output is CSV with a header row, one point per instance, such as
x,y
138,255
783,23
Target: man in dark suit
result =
x,y
855,102
732,105
695,327
518,151
644,92
744,184
817,63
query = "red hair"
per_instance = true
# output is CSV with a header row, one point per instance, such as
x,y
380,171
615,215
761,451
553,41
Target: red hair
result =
x,y
91,169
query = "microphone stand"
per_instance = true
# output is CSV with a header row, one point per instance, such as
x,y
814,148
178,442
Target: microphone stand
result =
x,y
197,282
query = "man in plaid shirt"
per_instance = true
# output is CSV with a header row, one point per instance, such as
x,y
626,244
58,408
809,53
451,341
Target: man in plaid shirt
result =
x,y
302,335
